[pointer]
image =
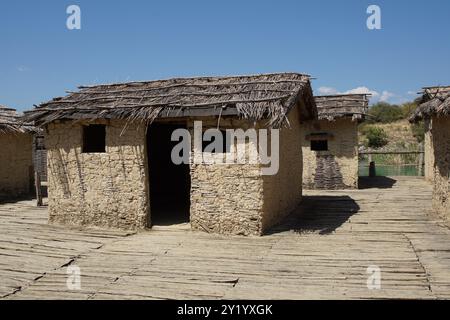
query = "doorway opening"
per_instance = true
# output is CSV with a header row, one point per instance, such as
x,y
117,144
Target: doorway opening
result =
x,y
169,184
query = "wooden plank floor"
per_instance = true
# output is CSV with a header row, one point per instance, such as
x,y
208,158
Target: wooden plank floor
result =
x,y
321,251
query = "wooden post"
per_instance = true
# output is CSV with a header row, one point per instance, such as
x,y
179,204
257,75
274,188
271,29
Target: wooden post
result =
x,y
372,169
421,164
37,180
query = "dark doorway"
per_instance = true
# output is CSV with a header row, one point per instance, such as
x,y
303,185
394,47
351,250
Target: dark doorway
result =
x,y
170,184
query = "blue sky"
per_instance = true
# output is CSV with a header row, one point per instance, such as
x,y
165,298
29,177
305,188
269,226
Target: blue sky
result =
x,y
144,40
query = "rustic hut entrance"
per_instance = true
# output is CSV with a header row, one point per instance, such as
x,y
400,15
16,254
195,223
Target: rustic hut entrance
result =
x,y
170,184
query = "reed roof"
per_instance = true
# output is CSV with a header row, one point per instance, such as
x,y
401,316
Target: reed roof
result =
x,y
332,107
434,101
10,121
252,97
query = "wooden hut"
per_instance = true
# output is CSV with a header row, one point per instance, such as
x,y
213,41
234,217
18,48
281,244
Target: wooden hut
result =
x,y
330,142
434,110
109,152
16,156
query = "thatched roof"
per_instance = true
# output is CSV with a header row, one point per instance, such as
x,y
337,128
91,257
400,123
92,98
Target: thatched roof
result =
x,y
255,97
10,122
354,106
434,101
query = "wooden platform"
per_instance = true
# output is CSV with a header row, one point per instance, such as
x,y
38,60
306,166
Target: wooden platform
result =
x,y
321,251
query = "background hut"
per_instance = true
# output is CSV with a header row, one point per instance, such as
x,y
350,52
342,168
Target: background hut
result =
x,y
109,153
16,156
330,143
434,109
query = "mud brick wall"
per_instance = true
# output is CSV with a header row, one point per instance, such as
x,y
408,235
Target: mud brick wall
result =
x,y
336,168
97,189
441,143
15,165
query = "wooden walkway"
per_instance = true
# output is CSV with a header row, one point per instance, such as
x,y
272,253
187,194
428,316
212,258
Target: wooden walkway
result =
x,y
321,251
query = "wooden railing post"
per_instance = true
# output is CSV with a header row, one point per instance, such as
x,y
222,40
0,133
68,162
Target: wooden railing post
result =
x,y
421,164
37,181
372,169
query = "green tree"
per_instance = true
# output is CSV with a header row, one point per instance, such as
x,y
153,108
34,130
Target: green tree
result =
x,y
384,112
376,137
408,108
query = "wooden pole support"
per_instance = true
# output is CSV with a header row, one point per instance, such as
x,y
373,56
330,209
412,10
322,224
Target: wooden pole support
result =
x,y
37,180
372,169
421,160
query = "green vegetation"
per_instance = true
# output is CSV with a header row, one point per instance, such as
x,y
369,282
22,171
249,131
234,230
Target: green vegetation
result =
x,y
383,112
376,137
387,128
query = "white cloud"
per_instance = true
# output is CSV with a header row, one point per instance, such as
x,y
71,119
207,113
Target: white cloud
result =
x,y
359,90
375,96
363,90
386,96
328,91
412,93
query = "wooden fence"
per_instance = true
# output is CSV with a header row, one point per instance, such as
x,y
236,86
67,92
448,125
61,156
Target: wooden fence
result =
x,y
403,159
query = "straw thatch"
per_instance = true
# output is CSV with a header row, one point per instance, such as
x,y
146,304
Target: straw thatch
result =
x,y
434,101
10,122
333,107
256,97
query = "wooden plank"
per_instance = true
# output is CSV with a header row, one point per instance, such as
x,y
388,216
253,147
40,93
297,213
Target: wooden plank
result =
x,y
321,251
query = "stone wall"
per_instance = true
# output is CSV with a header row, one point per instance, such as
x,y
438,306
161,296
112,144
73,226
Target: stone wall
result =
x,y
15,165
283,191
237,199
227,198
97,189
336,168
429,151
441,143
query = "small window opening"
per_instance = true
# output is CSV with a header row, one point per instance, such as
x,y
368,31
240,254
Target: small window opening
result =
x,y
206,142
94,138
39,143
319,145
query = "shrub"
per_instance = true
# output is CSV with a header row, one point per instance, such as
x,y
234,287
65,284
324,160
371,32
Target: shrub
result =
x,y
376,137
